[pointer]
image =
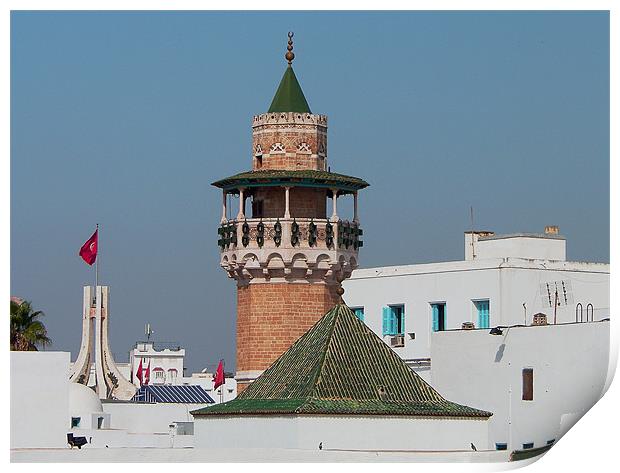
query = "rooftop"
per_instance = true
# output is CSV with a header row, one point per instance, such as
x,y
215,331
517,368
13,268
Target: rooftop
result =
x,y
178,394
300,178
289,96
478,264
550,236
340,367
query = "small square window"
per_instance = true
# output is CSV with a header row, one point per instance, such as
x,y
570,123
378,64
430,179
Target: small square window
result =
x,y
359,312
550,442
75,421
528,445
501,446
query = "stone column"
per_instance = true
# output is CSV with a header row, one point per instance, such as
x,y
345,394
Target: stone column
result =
x,y
287,213
334,217
241,214
355,219
223,220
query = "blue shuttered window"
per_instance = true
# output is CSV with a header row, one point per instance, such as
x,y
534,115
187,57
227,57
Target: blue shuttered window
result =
x,y
435,311
359,312
438,311
483,313
387,321
393,320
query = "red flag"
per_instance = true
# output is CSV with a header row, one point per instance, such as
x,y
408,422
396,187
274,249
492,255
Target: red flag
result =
x,y
139,372
88,252
147,373
218,379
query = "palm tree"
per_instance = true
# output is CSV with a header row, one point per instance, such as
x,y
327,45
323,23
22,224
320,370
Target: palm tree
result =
x,y
26,330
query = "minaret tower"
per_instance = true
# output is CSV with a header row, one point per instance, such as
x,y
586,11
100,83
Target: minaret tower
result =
x,y
288,254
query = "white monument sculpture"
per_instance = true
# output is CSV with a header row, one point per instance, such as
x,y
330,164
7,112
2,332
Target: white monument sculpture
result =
x,y
109,382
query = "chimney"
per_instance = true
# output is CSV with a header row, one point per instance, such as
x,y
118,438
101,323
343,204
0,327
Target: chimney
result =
x,y
552,230
471,240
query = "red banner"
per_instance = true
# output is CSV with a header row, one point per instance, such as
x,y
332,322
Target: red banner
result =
x,y
88,252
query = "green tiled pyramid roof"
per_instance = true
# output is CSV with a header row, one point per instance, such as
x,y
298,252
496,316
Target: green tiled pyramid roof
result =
x,y
289,96
299,177
340,367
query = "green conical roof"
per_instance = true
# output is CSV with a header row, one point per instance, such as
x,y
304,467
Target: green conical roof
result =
x,y
340,367
289,96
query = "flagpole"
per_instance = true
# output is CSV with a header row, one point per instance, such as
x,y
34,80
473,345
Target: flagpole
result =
x,y
97,262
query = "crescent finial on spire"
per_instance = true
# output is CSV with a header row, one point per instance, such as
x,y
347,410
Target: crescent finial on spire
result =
x,y
290,55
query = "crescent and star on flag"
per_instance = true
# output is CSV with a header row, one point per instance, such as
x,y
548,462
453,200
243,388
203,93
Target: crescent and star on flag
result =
x,y
88,252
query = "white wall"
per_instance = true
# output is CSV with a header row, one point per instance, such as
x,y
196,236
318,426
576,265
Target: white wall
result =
x,y
521,246
146,417
507,283
339,432
39,399
484,371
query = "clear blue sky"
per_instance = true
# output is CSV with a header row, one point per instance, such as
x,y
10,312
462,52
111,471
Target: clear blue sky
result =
x,y
126,118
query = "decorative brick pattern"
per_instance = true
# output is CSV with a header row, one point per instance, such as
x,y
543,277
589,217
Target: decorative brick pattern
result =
x,y
272,316
289,141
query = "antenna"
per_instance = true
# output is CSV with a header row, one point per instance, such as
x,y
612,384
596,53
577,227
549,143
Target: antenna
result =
x,y
148,332
473,240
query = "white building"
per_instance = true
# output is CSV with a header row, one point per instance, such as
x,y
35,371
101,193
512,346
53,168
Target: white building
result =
x,y
46,406
166,366
503,280
537,380
39,399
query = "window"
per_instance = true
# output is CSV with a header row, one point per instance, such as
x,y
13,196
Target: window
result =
x,y
159,375
172,375
528,384
359,312
99,422
501,446
528,445
439,316
394,320
259,161
482,307
550,442
75,421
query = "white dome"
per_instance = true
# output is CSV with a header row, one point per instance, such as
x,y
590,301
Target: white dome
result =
x,y
83,400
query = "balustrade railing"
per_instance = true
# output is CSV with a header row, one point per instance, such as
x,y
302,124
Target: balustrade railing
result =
x,y
293,232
